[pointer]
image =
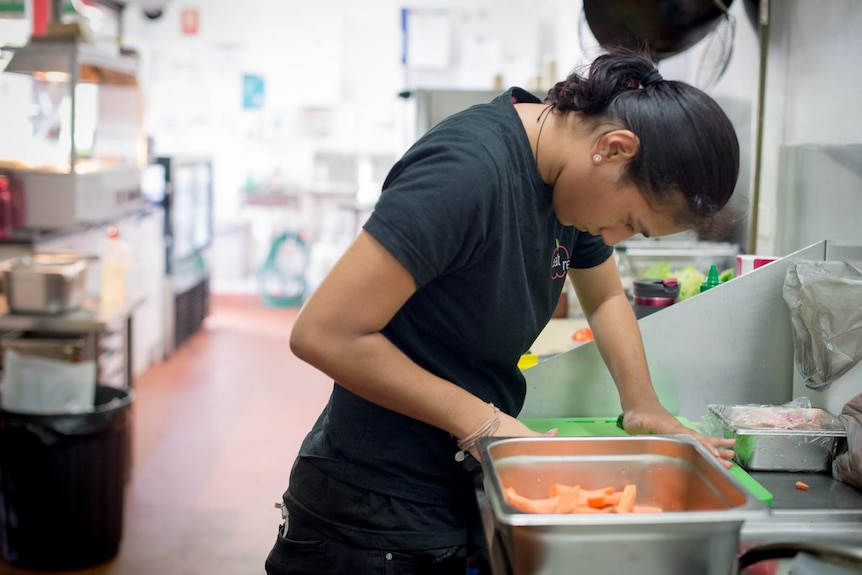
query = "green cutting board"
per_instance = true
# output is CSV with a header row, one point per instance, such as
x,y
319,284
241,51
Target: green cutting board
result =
x,y
607,427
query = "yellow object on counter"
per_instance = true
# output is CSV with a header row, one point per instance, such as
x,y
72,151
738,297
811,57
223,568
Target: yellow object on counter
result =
x,y
527,360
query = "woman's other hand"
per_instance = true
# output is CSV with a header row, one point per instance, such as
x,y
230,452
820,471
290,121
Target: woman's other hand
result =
x,y
660,421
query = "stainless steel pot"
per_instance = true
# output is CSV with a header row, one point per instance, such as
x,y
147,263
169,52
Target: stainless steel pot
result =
x,y
665,27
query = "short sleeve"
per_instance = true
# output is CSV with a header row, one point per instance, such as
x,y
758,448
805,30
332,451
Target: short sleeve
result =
x,y
589,251
436,206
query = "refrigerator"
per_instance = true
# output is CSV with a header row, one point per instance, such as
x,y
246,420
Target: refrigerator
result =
x,y
183,187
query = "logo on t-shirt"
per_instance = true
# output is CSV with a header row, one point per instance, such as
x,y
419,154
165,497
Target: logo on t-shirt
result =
x,y
559,261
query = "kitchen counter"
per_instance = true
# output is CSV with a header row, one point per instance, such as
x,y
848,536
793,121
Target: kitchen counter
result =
x,y
556,337
89,317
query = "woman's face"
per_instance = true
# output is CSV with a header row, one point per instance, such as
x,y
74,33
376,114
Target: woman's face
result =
x,y
612,208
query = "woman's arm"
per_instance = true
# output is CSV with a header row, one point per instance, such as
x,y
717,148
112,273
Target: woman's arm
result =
x,y
618,339
338,331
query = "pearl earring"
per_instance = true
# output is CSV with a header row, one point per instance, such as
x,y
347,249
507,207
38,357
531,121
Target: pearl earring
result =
x,y
597,158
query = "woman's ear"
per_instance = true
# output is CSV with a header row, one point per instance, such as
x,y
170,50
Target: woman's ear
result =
x,y
618,145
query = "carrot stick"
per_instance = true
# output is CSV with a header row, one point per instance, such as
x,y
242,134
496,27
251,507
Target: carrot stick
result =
x,y
574,499
560,488
646,509
587,493
582,509
627,501
614,499
568,500
528,504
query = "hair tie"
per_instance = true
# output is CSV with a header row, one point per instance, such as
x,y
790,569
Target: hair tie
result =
x,y
653,77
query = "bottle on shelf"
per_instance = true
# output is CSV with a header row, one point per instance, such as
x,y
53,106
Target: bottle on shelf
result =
x,y
5,207
114,264
711,280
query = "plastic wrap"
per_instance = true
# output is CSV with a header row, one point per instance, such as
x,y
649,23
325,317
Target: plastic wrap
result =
x,y
825,301
847,466
790,437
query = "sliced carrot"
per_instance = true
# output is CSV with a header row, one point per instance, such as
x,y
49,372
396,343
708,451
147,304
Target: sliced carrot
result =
x,y
560,488
587,493
646,509
627,501
582,509
802,486
528,504
614,499
568,500
574,499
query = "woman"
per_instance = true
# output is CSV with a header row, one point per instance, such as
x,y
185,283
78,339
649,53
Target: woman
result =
x,y
422,321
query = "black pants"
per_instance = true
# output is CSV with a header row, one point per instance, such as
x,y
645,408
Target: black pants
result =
x,y
305,552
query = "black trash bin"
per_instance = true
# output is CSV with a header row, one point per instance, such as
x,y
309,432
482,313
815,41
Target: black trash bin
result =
x,y
62,480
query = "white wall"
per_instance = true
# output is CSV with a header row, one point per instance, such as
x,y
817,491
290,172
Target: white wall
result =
x,y
812,106
333,73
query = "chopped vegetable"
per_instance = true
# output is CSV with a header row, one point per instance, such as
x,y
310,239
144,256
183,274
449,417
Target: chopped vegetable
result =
x,y
658,271
689,277
583,335
574,499
802,486
567,501
689,282
627,501
528,504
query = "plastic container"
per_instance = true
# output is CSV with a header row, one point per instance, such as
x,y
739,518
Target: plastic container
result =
x,y
653,295
62,480
114,263
44,284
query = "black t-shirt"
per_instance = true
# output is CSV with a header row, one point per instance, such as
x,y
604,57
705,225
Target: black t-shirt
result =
x,y
466,213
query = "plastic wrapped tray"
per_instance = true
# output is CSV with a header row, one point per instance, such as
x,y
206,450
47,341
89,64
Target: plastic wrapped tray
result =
x,y
779,438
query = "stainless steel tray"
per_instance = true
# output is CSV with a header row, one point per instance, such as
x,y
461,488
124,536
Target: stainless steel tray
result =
x,y
698,532
776,438
45,284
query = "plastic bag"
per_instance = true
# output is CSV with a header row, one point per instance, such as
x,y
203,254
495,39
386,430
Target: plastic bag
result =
x,y
43,385
847,466
825,301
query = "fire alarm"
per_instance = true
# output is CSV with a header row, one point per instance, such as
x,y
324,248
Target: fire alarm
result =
x,y
190,20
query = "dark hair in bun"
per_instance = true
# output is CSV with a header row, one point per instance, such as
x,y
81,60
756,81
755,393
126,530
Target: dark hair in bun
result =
x,y
687,142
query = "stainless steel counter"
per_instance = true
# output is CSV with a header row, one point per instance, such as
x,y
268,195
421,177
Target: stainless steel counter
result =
x,y
89,318
829,512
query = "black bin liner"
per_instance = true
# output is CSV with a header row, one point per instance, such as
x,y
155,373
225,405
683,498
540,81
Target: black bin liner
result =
x,y
62,480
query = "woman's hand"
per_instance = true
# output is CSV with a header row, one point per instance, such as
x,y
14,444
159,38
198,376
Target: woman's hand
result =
x,y
511,427
657,420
